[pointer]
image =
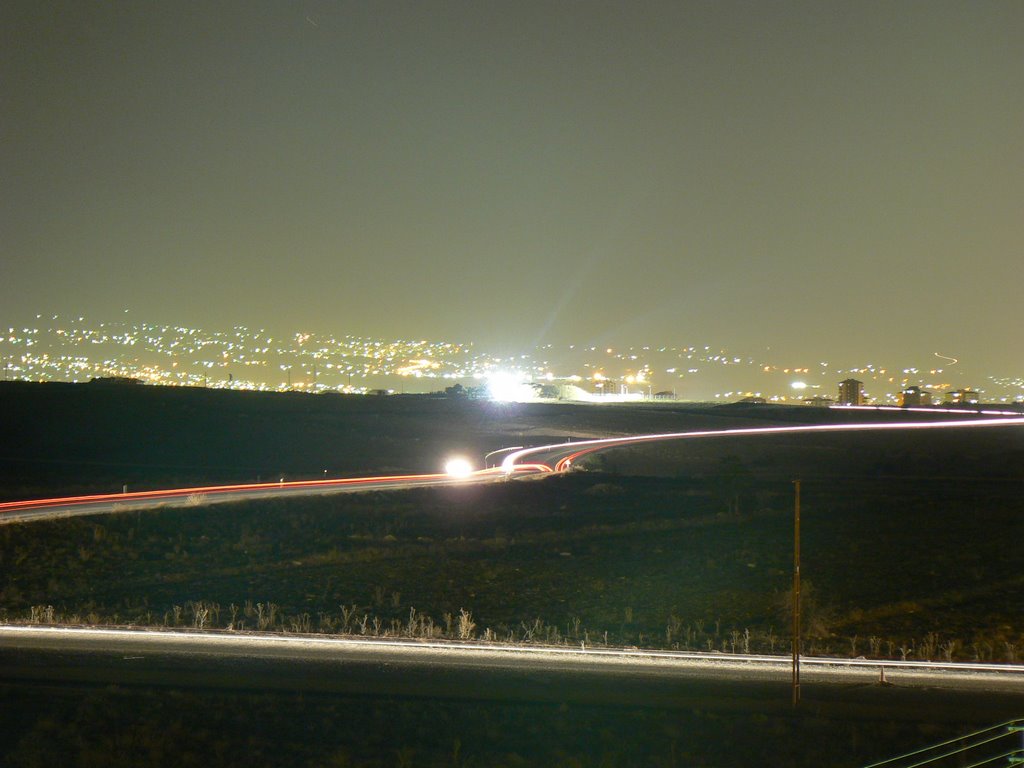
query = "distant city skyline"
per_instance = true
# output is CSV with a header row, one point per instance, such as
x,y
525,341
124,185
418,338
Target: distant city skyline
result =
x,y
76,348
824,179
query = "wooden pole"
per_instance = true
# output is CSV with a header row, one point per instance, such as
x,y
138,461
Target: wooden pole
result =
x,y
796,594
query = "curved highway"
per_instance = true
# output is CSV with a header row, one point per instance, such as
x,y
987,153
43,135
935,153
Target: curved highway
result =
x,y
559,457
556,457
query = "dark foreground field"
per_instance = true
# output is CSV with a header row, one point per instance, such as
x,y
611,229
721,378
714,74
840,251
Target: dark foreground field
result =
x,y
911,550
730,725
892,570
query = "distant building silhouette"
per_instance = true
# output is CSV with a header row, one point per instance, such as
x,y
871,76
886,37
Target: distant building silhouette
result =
x,y
819,401
608,386
114,381
851,392
914,396
963,397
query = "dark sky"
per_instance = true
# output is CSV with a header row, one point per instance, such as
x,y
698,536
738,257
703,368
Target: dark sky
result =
x,y
834,179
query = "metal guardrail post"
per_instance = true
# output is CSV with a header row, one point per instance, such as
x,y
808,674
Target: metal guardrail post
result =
x,y
1018,757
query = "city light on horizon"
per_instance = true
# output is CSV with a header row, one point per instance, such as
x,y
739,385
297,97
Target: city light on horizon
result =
x,y
75,349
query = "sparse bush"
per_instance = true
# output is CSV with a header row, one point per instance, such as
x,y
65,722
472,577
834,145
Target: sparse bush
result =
x,y
466,625
41,614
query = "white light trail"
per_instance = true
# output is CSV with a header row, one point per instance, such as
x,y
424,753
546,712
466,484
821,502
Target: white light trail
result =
x,y
628,655
510,461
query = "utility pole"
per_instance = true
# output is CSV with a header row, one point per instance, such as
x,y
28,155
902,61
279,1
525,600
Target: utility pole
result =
x,y
796,594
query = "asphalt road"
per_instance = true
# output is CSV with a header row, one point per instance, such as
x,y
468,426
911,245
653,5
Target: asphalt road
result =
x,y
318,664
546,458
38,509
560,456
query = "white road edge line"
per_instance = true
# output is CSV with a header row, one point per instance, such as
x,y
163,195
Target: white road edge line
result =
x,y
638,654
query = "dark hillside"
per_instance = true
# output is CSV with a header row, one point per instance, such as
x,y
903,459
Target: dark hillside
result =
x,y
81,438
911,548
651,562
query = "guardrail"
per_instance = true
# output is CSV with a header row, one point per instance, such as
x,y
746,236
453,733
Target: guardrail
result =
x,y
997,745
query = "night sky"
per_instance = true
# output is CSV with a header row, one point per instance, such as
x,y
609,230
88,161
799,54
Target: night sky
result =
x,y
828,179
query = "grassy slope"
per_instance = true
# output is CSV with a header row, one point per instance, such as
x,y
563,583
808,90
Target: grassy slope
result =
x,y
903,537
63,437
71,438
623,555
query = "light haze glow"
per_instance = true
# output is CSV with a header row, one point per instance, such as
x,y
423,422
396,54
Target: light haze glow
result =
x,y
831,180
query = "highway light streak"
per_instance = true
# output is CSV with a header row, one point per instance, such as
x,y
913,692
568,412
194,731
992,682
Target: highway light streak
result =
x,y
509,466
211,489
240,641
202,494
584,447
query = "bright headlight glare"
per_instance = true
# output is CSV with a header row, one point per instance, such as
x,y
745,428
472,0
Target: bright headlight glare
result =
x,y
458,467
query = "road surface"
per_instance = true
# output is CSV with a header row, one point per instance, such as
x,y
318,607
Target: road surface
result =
x,y
556,457
559,457
313,663
37,509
